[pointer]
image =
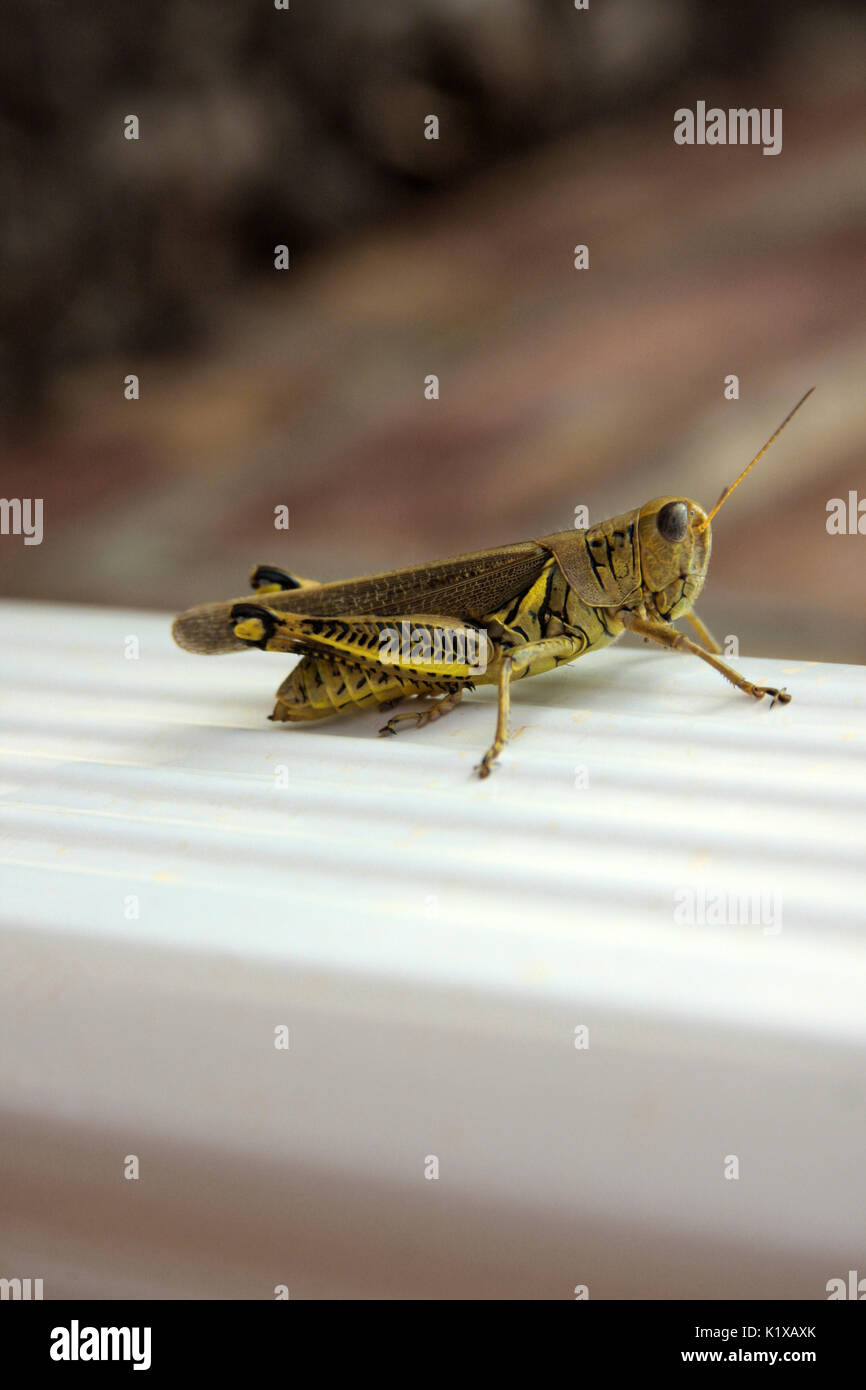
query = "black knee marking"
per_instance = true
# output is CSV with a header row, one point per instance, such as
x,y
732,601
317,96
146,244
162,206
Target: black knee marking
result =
x,y
264,575
244,612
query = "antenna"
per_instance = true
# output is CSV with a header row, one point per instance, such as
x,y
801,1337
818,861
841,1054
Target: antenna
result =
x,y
728,490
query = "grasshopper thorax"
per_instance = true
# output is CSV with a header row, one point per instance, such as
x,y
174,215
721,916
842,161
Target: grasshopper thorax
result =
x,y
674,546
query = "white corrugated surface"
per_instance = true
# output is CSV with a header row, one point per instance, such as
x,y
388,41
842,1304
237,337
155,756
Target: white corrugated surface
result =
x,y
432,942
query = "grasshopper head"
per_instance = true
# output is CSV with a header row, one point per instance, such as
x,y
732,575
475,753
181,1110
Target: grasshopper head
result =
x,y
675,540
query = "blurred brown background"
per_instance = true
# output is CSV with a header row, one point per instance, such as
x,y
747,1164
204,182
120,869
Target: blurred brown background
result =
x,y
558,387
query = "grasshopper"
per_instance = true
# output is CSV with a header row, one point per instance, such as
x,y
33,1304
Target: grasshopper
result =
x,y
529,607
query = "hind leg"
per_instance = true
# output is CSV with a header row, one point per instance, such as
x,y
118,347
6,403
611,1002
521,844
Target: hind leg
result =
x,y
268,579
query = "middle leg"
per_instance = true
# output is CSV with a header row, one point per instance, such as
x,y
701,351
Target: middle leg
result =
x,y
514,663
426,716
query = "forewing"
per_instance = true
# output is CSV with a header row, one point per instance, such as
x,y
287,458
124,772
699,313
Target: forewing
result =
x,y
466,587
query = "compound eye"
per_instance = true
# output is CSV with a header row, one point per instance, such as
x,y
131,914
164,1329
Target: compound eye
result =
x,y
673,521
